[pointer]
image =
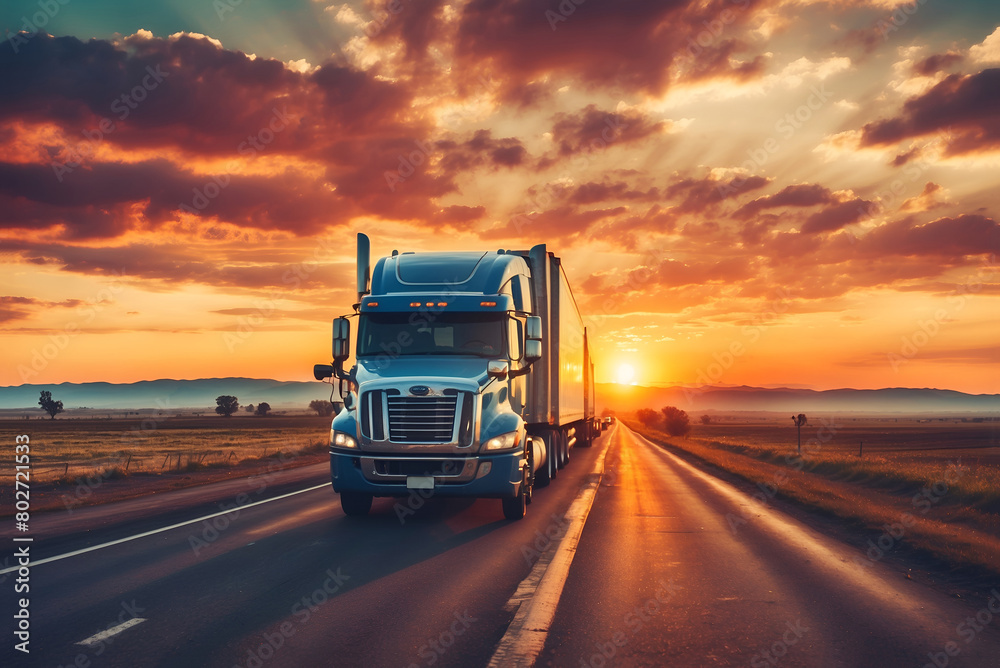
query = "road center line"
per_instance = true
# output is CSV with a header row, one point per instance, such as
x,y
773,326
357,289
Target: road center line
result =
x,y
537,597
113,631
160,530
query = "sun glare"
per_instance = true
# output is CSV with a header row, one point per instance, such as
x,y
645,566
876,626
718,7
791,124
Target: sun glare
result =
x,y
626,374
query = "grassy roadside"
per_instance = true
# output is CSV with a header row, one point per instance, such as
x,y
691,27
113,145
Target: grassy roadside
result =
x,y
102,488
975,486
947,511
67,450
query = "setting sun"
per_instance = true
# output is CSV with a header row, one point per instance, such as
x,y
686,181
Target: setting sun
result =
x,y
626,374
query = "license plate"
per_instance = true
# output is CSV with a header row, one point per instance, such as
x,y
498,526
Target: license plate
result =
x,y
419,482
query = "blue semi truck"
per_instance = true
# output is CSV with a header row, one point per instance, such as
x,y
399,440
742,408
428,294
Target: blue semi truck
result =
x,y
471,376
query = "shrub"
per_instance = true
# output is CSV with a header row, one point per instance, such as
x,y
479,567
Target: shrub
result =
x,y
675,421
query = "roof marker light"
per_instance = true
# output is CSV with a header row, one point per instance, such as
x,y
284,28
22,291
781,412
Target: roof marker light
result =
x,y
487,303
442,304
371,304
415,304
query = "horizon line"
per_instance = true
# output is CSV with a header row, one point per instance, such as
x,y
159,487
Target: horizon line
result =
x,y
654,386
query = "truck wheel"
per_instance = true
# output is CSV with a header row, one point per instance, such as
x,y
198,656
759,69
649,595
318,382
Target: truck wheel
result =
x,y
355,504
529,476
514,508
547,473
542,478
586,437
555,453
562,447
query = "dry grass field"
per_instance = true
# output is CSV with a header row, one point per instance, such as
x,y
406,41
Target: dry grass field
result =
x,y
874,451
144,442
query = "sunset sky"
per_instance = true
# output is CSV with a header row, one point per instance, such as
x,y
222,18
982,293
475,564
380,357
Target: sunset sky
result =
x,y
761,192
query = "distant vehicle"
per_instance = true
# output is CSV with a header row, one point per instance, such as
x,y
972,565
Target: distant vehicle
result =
x,y
606,422
473,377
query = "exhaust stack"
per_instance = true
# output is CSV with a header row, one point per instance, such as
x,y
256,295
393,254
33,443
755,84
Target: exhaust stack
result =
x,y
364,266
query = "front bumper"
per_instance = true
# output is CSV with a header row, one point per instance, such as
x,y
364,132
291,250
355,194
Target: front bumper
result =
x,y
492,476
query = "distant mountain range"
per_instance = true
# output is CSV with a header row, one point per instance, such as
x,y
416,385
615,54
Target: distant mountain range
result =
x,y
187,394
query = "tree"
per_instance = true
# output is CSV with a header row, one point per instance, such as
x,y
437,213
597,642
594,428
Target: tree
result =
x,y
321,406
706,419
799,421
262,409
227,405
647,416
607,412
248,408
48,405
675,421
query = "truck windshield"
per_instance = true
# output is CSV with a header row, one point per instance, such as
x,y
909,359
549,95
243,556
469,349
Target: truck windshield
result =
x,y
431,334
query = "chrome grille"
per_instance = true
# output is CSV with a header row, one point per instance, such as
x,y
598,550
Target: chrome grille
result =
x,y
422,419
371,415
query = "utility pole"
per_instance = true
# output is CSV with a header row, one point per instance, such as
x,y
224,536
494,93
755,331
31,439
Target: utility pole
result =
x,y
799,420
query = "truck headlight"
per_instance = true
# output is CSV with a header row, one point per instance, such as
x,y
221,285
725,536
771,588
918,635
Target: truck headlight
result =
x,y
342,440
504,441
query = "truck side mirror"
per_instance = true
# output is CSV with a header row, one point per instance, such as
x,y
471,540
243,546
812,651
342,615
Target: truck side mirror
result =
x,y
533,328
533,342
532,345
322,371
341,339
497,370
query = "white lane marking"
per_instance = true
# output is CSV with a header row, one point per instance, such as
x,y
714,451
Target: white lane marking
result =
x,y
160,530
113,631
537,597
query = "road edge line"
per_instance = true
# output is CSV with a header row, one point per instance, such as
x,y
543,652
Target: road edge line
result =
x,y
537,596
111,632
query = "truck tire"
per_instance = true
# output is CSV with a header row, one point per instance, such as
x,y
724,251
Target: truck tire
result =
x,y
585,438
547,473
542,477
515,507
562,449
529,476
355,504
554,443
